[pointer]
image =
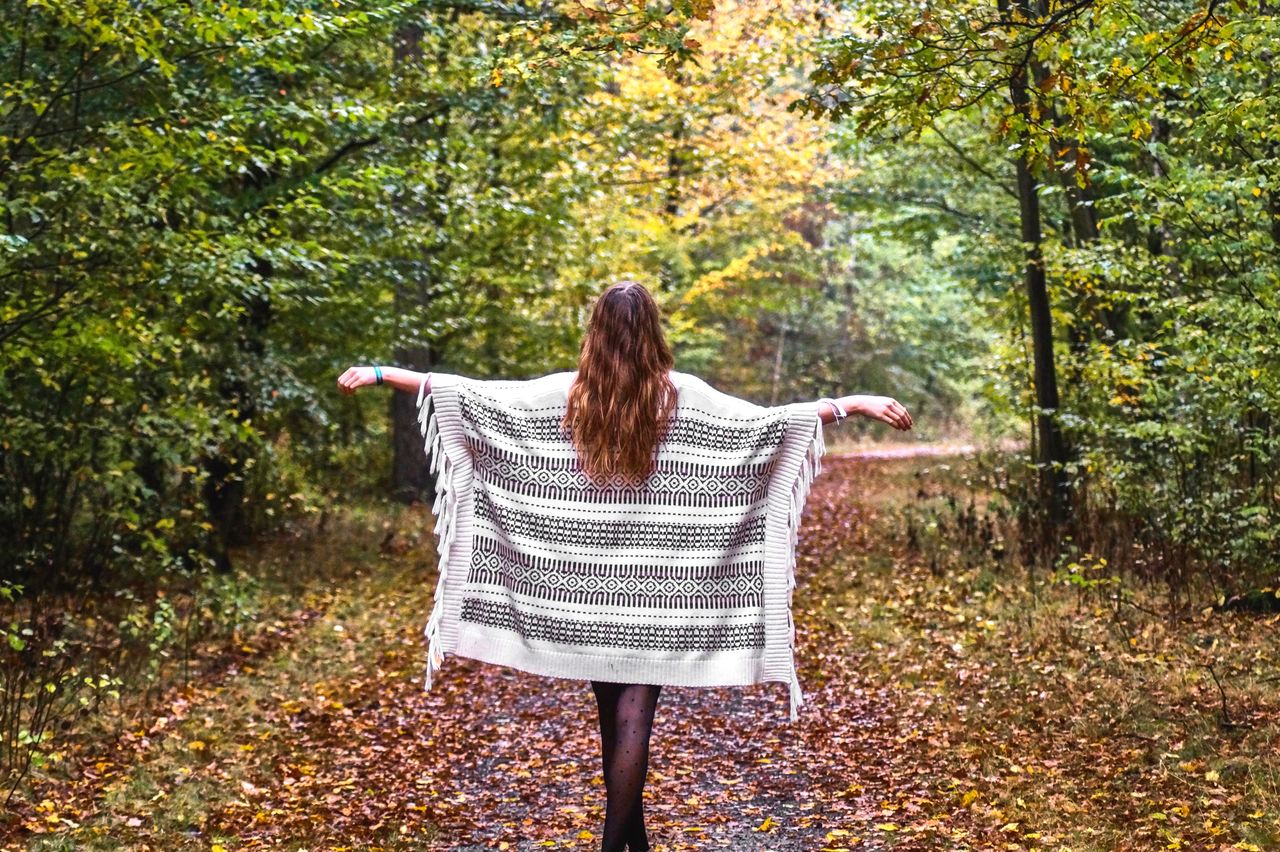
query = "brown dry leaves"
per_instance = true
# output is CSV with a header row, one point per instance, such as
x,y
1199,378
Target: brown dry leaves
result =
x,y
939,716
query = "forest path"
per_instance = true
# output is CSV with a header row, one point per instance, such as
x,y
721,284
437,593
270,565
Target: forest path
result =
x,y
939,715
493,758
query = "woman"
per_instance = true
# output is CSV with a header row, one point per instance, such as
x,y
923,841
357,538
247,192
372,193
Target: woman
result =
x,y
625,524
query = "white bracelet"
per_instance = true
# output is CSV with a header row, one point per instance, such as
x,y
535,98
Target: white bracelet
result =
x,y
840,412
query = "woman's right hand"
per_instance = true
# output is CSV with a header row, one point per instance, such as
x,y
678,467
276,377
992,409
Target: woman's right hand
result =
x,y
356,377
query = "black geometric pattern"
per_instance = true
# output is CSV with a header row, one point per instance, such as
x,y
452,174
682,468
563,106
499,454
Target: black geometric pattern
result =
x,y
538,519
672,483
643,637
730,586
593,532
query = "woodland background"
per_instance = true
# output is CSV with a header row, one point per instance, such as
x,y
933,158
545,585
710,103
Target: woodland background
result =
x,y
1050,228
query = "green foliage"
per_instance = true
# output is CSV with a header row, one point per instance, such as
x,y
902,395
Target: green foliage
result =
x,y
1151,129
209,210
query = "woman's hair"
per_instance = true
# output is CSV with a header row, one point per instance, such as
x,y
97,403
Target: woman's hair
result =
x,y
621,401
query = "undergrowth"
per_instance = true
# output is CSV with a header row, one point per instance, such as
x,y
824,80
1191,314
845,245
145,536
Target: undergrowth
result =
x,y
1083,707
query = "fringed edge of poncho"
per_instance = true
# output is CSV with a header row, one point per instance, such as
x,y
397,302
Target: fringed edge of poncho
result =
x,y
445,510
810,467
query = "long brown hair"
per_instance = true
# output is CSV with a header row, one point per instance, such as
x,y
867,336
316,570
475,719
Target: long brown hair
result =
x,y
621,401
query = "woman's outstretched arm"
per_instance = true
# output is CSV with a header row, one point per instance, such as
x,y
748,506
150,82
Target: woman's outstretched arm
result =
x,y
883,408
400,379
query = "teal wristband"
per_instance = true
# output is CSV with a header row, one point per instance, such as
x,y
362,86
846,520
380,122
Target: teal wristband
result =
x,y
377,373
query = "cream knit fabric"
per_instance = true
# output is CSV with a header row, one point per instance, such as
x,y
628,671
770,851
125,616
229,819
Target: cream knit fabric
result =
x,y
684,580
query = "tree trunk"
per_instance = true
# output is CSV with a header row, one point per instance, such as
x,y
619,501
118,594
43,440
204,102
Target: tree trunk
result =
x,y
1052,452
224,487
411,478
410,465
675,173
777,363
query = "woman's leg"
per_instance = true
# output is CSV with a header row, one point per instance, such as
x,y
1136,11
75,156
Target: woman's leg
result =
x,y
626,721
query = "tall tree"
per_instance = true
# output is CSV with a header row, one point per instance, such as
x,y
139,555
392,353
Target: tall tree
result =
x,y
902,66
1051,449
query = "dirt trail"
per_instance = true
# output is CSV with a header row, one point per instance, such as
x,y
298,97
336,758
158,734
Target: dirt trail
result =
x,y
890,452
496,759
332,744
940,715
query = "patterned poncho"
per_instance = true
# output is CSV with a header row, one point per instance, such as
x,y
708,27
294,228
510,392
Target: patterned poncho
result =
x,y
683,580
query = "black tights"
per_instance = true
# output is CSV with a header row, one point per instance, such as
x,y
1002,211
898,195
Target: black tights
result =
x,y
626,720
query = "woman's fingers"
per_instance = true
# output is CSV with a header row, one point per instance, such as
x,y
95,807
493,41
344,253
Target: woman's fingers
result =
x,y
896,415
349,380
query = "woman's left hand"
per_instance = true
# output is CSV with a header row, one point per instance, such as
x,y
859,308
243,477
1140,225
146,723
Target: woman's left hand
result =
x,y
885,409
